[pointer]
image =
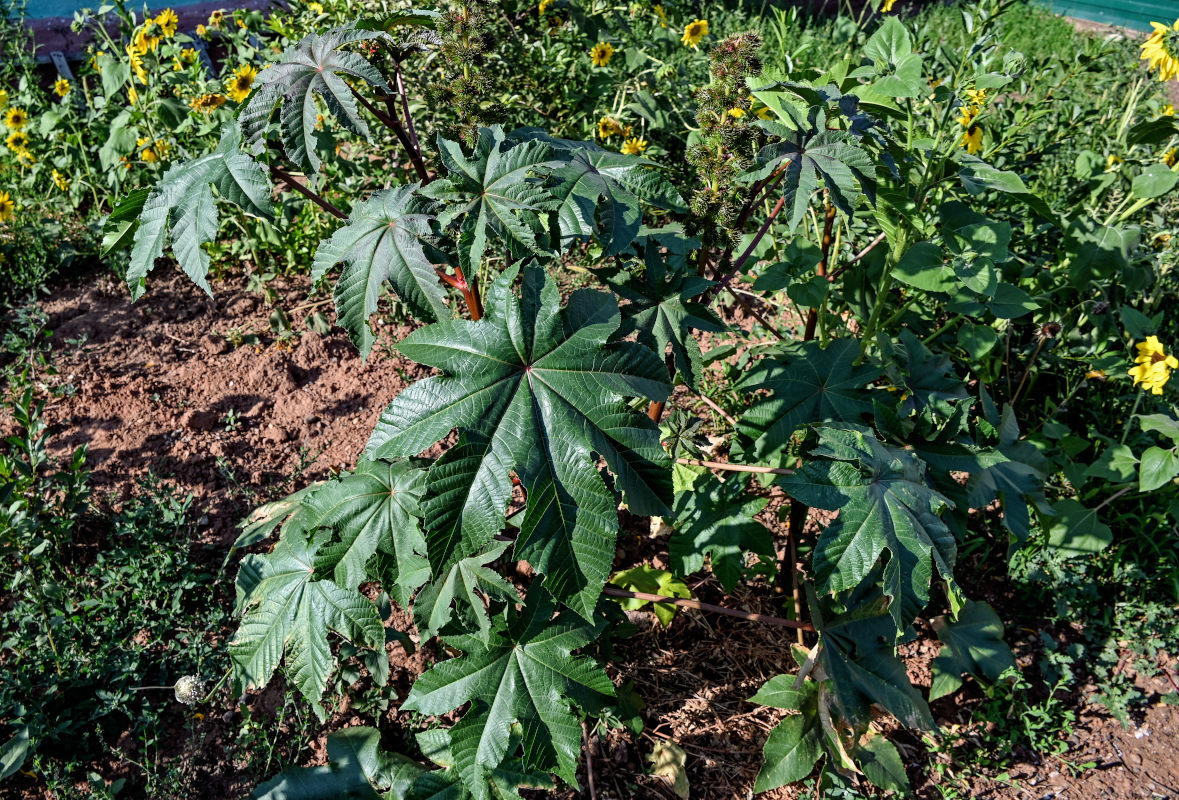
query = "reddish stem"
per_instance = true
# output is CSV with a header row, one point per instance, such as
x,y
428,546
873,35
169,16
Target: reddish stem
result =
x,y
812,317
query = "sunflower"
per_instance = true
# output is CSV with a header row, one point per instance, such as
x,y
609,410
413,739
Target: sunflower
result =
x,y
634,146
207,103
201,31
132,95
1153,366
3,98
976,97
7,207
608,127
1112,161
1170,157
216,18
694,33
1168,109
661,14
152,152
61,181
137,66
146,39
972,139
238,86
167,20
61,86
544,6
601,54
1161,50
317,8
16,118
17,140
887,6
736,112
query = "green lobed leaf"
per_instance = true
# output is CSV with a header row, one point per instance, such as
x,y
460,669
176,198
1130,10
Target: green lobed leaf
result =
x,y
598,191
496,194
356,768
808,384
375,504
832,155
661,308
717,520
886,508
287,611
644,578
1074,530
535,390
464,585
315,66
385,239
795,744
882,765
182,203
525,674
973,643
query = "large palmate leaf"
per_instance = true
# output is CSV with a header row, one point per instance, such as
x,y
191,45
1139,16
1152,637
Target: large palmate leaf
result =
x,y
885,503
537,390
183,203
287,611
1015,482
796,743
973,644
599,191
808,385
661,309
525,674
356,768
717,519
807,155
857,656
464,585
500,783
314,66
386,239
495,194
377,504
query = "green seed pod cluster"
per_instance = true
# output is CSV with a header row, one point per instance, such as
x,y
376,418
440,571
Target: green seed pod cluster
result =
x,y
728,141
465,88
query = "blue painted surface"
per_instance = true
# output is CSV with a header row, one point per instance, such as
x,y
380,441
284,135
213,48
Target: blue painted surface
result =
x,y
39,9
1134,14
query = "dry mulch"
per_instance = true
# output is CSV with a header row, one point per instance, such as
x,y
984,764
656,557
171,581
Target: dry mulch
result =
x,y
155,388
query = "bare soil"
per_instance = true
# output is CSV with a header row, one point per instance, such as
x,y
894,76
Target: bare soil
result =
x,y
159,389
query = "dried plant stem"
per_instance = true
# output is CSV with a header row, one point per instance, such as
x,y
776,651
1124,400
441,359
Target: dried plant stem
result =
x,y
753,312
589,762
720,411
684,602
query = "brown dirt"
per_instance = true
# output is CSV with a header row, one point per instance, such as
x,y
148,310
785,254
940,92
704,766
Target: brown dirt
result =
x,y
157,387
153,391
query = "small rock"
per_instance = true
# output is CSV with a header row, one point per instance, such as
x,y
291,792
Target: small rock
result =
x,y
275,434
214,345
199,420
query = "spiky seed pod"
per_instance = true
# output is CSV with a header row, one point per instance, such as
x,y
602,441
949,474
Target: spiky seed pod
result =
x,y
728,141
